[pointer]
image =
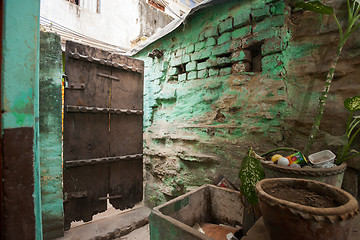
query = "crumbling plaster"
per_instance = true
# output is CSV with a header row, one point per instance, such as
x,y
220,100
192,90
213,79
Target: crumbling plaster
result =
x,y
205,106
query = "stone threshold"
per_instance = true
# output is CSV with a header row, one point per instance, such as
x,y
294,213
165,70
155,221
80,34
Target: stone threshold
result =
x,y
110,227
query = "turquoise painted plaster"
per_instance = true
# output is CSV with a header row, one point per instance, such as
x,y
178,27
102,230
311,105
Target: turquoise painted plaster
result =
x,y
197,88
50,135
20,73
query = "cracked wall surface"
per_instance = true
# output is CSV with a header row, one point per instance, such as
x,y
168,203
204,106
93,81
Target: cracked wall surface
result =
x,y
235,75
50,107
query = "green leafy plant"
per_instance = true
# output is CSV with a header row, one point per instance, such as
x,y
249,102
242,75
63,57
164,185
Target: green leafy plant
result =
x,y
353,8
251,171
345,142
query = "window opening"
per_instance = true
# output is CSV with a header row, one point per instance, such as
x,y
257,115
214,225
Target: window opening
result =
x,y
255,64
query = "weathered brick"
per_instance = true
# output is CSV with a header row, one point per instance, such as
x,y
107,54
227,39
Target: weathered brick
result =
x,y
202,65
218,62
272,61
263,35
201,36
213,72
235,45
241,32
185,59
226,25
225,37
277,21
202,54
241,67
191,66
203,73
210,42
225,71
182,77
221,49
210,32
278,9
175,61
190,49
243,55
242,17
179,52
272,45
192,75
260,13
173,71
199,46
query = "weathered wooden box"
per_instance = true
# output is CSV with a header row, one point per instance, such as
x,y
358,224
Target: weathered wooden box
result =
x,y
175,219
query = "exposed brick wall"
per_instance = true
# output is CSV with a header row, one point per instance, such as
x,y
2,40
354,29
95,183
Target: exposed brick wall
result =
x,y
230,78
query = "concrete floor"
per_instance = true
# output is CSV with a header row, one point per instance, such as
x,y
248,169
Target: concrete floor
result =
x,y
142,233
113,224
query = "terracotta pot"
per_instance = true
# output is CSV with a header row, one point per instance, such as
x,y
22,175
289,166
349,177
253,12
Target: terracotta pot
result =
x,y
286,220
333,176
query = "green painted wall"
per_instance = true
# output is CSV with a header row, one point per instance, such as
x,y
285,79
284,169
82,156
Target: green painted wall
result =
x,y
205,103
50,135
308,57
20,72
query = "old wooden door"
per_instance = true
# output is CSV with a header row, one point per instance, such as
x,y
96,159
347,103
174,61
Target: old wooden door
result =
x,y
102,132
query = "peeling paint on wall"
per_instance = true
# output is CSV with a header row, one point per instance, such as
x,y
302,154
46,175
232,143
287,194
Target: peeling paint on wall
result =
x,y
50,135
20,99
234,76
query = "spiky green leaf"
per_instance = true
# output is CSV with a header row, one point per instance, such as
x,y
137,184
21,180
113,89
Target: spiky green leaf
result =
x,y
352,103
315,6
251,171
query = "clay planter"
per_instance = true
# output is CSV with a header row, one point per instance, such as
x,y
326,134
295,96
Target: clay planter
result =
x,y
285,219
333,176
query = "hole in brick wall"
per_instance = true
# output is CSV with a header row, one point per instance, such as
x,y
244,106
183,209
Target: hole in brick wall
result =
x,y
225,55
222,65
225,65
255,50
181,68
202,60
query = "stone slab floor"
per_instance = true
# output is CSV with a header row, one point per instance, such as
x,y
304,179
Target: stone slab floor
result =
x,y
142,233
113,224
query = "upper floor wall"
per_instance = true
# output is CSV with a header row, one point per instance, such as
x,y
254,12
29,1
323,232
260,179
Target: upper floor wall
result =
x,y
107,24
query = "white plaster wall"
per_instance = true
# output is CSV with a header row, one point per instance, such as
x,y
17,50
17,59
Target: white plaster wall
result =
x,y
116,23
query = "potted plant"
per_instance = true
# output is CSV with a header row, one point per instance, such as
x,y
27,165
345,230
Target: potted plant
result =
x,y
252,171
300,209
